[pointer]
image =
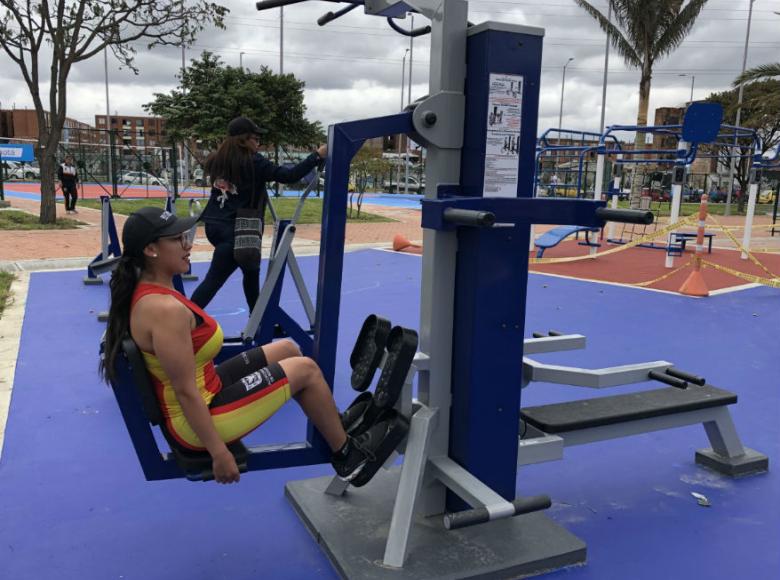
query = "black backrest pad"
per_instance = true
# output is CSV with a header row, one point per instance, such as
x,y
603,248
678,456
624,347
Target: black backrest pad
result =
x,y
142,382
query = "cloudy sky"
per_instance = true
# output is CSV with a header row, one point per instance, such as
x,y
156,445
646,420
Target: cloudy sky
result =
x,y
352,67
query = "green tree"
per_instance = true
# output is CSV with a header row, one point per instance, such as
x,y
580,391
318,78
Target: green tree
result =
x,y
210,94
760,111
643,32
42,36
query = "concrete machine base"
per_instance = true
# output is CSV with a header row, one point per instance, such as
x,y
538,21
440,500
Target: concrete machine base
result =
x,y
352,530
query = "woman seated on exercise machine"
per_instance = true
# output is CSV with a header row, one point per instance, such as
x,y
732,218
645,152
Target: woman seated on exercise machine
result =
x,y
206,406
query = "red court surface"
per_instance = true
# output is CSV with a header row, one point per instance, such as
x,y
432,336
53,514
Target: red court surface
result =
x,y
639,265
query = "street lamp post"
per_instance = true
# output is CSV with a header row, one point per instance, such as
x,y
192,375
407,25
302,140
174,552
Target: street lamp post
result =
x,y
241,60
563,84
400,136
693,80
727,210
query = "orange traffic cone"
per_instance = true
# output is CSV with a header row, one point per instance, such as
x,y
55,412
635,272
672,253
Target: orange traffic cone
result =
x,y
695,284
402,244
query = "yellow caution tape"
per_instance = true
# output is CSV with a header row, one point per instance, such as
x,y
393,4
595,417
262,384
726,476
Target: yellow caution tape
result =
x,y
774,282
742,248
670,228
664,277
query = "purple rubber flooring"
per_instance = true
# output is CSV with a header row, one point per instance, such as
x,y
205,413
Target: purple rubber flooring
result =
x,y
74,503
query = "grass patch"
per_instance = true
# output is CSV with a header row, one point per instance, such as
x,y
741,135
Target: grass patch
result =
x,y
285,207
5,286
687,209
12,219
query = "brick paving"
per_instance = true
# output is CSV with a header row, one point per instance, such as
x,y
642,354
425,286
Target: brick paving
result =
x,y
84,242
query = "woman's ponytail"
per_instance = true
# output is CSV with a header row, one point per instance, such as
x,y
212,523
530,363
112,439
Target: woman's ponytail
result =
x,y
123,282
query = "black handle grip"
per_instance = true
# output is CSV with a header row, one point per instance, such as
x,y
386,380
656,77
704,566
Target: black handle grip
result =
x,y
667,379
208,474
481,515
555,333
626,216
325,18
268,4
538,335
695,379
469,217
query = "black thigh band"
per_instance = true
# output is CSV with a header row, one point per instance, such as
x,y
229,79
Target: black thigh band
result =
x,y
241,365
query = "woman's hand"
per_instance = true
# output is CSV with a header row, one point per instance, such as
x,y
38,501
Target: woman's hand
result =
x,y
225,468
322,151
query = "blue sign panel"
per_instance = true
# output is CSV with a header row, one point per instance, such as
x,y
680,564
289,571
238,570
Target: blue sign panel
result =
x,y
12,152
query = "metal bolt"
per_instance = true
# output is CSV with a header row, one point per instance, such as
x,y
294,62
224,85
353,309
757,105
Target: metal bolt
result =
x,y
429,118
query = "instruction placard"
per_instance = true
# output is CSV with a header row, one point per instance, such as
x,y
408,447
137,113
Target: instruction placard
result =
x,y
502,147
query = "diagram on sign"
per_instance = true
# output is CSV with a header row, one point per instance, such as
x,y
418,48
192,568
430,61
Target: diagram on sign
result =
x,y
502,147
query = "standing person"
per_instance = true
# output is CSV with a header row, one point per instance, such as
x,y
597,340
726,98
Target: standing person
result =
x,y
207,406
68,178
553,184
238,175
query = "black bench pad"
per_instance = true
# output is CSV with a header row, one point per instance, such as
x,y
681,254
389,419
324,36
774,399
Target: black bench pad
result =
x,y
588,413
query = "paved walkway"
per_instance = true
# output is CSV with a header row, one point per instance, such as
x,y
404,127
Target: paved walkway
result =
x,y
42,249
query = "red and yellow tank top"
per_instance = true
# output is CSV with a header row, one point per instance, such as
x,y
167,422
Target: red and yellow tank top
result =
x,y
207,340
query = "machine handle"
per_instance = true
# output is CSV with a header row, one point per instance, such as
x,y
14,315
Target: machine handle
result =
x,y
626,216
469,217
331,16
481,515
268,4
208,474
668,379
695,379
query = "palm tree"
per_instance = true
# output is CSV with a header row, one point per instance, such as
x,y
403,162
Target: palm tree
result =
x,y
642,32
761,72
758,73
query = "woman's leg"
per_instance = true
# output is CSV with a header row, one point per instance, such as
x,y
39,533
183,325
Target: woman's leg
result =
x,y
222,265
309,389
251,282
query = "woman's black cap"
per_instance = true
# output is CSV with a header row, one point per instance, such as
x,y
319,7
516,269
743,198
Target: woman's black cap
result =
x,y
244,126
149,223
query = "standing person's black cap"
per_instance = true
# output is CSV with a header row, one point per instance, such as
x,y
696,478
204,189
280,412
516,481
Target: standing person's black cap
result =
x,y
149,223
243,126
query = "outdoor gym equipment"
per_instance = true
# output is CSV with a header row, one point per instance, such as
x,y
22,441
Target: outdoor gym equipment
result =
x,y
465,442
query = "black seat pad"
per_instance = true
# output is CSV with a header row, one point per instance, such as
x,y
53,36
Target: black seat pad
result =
x,y
597,412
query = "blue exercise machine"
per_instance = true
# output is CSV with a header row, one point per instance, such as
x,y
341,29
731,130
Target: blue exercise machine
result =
x,y
467,432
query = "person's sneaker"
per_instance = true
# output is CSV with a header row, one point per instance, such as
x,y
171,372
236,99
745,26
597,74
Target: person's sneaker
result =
x,y
367,452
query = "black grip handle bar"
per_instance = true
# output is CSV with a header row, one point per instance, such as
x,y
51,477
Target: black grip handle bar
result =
x,y
331,16
469,217
268,4
627,216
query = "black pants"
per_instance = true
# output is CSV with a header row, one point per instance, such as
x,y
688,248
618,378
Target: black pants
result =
x,y
223,265
71,194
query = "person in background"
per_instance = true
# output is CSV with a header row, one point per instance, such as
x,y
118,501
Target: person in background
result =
x,y
238,174
68,178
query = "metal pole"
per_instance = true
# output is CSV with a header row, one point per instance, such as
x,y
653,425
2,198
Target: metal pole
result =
x,y
241,60
400,136
281,72
727,210
563,83
409,100
606,69
693,80
185,158
108,124
281,40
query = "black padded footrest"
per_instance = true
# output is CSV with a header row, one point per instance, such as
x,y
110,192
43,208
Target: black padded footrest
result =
x,y
577,415
368,351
